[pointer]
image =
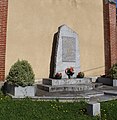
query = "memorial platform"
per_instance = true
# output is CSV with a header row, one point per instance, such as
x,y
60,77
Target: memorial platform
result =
x,y
56,85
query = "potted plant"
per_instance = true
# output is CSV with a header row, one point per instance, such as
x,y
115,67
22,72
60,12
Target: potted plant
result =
x,y
105,79
80,75
69,72
113,74
20,79
58,76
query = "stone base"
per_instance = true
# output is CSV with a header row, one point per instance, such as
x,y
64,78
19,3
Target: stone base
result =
x,y
114,82
105,81
28,91
71,81
56,85
93,109
63,88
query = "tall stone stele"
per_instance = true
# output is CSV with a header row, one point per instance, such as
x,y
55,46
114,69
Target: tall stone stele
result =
x,y
65,52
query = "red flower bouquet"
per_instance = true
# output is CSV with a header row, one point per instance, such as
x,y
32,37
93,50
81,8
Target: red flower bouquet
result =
x,y
58,75
69,71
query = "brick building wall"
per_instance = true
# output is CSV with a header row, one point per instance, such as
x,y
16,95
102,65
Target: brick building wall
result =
x,y
3,29
110,41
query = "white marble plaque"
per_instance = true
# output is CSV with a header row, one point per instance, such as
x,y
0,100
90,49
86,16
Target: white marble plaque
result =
x,y
68,49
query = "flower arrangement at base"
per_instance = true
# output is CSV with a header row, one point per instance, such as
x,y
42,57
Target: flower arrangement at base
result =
x,y
58,75
80,75
69,71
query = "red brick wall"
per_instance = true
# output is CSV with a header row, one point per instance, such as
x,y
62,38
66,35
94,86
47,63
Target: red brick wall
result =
x,y
3,28
110,41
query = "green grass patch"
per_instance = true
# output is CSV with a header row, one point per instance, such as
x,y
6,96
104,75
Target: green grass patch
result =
x,y
27,109
109,110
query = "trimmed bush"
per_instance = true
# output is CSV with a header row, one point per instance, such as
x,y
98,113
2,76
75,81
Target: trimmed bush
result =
x,y
21,74
113,71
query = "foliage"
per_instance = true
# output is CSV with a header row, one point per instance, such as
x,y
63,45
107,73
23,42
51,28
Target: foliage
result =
x,y
21,74
109,110
4,97
58,75
113,71
27,109
80,75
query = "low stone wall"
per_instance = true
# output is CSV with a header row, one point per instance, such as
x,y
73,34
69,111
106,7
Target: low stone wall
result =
x,y
105,81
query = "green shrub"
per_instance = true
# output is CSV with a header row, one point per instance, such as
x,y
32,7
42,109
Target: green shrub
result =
x,y
21,74
113,71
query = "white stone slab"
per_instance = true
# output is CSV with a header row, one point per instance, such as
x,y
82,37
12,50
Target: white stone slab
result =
x,y
25,91
65,88
67,51
93,109
66,81
114,82
28,91
111,92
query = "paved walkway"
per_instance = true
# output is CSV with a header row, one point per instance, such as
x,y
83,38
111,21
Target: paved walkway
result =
x,y
102,93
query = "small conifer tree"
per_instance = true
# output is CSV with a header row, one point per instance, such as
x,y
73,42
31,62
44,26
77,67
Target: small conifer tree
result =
x,y
113,71
21,74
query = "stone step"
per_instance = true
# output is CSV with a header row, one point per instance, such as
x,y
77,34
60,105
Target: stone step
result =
x,y
96,94
97,85
71,81
81,87
110,92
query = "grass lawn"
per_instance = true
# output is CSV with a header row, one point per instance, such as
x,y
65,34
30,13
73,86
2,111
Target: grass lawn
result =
x,y
109,110
27,109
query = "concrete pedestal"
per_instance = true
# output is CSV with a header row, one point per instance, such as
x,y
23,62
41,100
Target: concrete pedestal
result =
x,y
93,109
114,82
56,85
28,91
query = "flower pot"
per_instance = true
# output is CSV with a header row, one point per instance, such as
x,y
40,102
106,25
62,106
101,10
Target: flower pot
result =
x,y
105,81
28,91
